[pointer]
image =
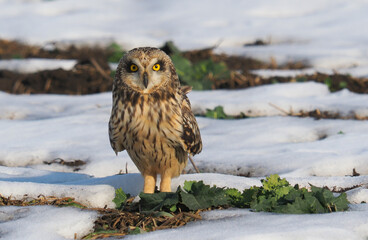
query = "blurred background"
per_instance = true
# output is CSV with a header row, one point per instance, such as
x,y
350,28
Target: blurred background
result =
x,y
72,47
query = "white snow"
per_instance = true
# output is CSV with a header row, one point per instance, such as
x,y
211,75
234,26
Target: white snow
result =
x,y
45,222
305,151
290,97
75,128
268,73
92,196
243,224
36,130
31,65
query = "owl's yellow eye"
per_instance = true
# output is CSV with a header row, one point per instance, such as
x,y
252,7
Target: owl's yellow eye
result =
x,y
133,68
156,67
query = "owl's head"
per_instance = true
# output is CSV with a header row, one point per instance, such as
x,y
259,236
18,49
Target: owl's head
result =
x,y
145,70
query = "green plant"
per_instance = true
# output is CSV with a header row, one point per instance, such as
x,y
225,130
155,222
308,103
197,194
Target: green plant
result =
x,y
120,198
116,52
301,79
217,113
112,74
328,82
17,56
343,84
196,195
136,231
200,75
99,232
71,203
277,195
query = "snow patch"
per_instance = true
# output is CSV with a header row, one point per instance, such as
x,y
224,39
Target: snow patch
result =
x,y
32,65
45,222
97,196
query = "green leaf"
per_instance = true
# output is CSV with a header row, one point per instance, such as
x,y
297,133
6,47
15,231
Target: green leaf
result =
x,y
92,235
329,201
340,203
192,202
250,196
158,201
163,214
173,208
183,66
343,84
120,198
73,204
273,182
299,206
328,82
112,74
136,230
188,185
235,196
217,113
263,204
293,194
116,53
203,196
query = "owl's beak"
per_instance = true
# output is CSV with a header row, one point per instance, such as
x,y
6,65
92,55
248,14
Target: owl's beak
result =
x,y
145,79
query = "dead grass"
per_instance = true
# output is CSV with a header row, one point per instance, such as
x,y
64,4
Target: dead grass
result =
x,y
115,223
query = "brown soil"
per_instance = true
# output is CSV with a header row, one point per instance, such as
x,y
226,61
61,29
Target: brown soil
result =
x,y
13,49
85,78
92,73
242,77
73,164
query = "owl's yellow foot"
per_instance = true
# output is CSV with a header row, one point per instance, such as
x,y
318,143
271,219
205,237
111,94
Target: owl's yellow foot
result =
x,y
165,185
149,184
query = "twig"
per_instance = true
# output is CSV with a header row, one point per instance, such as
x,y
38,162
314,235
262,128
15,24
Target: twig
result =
x,y
195,167
278,108
99,68
195,216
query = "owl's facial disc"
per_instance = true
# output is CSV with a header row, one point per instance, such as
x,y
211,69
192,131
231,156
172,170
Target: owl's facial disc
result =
x,y
145,74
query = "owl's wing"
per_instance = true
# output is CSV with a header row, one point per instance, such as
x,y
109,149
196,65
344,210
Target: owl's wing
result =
x,y
191,135
115,136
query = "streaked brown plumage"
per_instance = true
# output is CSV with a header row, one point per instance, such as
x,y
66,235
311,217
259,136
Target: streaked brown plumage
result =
x,y
151,117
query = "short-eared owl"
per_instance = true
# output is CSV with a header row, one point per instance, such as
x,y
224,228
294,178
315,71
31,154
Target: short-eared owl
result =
x,y
151,117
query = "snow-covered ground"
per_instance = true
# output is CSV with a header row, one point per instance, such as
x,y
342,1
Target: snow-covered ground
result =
x,y
38,131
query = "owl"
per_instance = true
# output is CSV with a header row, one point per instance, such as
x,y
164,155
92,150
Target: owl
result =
x,y
151,117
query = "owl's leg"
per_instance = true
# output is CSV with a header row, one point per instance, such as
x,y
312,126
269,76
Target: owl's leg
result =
x,y
149,183
165,185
